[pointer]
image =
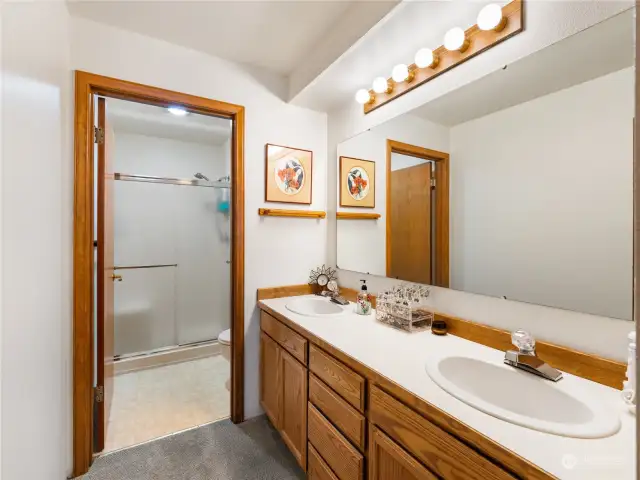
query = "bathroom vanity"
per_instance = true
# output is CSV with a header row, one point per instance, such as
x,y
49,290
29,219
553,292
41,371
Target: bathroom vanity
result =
x,y
352,399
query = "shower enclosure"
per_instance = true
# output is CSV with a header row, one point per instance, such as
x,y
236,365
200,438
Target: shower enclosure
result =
x,y
172,242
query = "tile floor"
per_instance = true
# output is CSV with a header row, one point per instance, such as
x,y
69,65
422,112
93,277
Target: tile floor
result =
x,y
151,403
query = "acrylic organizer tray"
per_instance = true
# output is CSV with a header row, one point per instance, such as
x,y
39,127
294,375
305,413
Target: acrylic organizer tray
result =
x,y
404,307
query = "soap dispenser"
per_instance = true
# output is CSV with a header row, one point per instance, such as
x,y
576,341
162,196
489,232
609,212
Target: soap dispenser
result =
x,y
363,301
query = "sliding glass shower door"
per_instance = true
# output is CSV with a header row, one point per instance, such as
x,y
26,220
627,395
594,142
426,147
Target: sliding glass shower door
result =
x,y
172,250
172,228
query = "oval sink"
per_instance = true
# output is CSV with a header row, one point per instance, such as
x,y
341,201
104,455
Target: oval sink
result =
x,y
315,307
522,398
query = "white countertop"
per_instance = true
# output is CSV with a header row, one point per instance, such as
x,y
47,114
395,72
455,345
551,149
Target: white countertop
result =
x,y
401,357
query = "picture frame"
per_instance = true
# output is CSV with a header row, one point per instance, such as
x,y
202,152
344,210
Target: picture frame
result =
x,y
357,182
288,174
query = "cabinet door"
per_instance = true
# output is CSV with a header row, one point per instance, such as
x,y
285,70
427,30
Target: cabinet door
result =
x,y
293,414
270,378
389,461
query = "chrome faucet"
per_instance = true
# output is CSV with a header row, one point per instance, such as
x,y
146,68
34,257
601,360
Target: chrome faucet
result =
x,y
333,292
526,359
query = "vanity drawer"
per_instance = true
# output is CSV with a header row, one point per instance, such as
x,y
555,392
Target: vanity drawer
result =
x,y
342,457
443,454
317,469
338,376
293,343
346,418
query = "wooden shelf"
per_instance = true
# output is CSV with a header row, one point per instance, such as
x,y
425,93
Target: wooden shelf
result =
x,y
272,212
357,216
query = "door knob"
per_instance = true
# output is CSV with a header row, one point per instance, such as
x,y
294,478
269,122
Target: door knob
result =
x,y
115,277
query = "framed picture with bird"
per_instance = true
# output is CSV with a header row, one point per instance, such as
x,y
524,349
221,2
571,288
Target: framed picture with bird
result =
x,y
289,174
357,183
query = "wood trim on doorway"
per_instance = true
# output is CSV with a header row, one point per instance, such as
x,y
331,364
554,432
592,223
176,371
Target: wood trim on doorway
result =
x,y
441,160
86,85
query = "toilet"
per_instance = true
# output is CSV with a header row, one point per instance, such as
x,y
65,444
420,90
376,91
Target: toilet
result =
x,y
224,339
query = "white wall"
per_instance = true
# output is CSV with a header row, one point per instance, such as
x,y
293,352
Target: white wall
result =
x,y
108,51
549,196
37,199
546,23
159,224
363,242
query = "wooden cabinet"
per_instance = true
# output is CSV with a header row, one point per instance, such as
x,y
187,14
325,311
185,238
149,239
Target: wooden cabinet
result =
x,y
337,452
270,378
293,414
293,343
389,461
347,383
347,419
318,468
283,395
320,413
442,453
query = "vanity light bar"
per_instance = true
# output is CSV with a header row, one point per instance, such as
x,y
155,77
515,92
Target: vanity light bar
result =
x,y
495,24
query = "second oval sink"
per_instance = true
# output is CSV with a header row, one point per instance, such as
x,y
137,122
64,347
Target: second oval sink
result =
x,y
522,398
314,307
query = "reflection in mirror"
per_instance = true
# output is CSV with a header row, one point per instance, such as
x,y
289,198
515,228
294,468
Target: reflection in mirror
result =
x,y
517,185
409,202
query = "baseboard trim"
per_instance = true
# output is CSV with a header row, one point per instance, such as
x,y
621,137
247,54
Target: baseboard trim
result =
x,y
166,357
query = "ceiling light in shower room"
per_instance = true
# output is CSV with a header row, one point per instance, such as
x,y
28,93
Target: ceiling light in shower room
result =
x,y
178,111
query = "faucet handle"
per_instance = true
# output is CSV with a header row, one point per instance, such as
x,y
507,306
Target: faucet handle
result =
x,y
524,341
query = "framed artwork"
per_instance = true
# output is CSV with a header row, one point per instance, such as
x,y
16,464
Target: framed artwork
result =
x,y
357,183
289,174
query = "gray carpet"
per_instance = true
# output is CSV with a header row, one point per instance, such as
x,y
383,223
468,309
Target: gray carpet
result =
x,y
220,451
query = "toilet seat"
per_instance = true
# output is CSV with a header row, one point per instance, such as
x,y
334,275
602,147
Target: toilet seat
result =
x,y
225,337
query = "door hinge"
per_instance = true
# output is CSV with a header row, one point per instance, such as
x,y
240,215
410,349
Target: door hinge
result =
x,y
98,393
98,135
433,184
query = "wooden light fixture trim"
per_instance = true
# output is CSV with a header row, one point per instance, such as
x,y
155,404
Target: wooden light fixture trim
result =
x,y
479,41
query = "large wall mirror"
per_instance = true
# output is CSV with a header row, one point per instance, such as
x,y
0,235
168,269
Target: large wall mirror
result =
x,y
518,185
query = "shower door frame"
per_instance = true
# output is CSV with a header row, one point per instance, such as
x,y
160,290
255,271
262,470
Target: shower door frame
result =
x,y
87,85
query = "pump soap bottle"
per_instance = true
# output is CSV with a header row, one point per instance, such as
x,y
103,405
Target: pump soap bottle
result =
x,y
363,301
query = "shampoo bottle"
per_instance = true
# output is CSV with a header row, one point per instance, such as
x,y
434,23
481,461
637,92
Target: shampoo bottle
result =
x,y
363,301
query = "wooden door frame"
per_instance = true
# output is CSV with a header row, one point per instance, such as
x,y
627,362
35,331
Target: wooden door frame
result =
x,y
86,85
441,242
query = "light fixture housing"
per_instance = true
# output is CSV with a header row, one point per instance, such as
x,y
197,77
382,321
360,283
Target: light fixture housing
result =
x,y
363,96
491,18
402,73
426,58
178,111
382,85
456,40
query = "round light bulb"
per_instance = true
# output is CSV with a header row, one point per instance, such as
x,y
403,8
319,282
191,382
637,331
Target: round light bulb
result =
x,y
424,58
177,111
380,85
400,73
454,39
363,96
490,17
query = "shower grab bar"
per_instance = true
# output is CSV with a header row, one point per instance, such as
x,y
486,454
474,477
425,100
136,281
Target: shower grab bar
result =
x,y
134,267
171,181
